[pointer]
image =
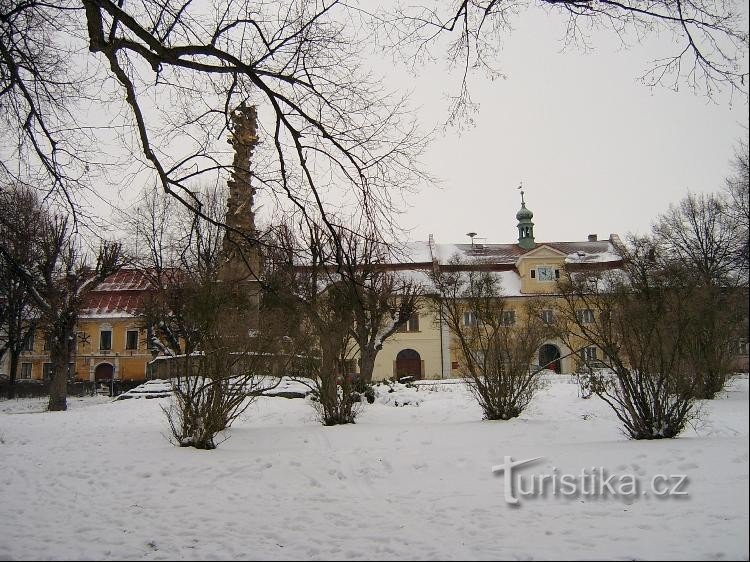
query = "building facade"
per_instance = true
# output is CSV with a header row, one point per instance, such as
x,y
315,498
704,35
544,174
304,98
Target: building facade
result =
x,y
527,270
110,341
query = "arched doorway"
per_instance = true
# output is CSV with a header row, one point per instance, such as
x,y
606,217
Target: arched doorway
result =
x,y
549,357
104,372
408,364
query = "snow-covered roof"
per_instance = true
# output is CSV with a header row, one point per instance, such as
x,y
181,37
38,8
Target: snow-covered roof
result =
x,y
590,251
120,295
127,279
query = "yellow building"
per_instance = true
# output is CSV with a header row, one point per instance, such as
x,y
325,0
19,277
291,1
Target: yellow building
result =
x,y
527,269
110,342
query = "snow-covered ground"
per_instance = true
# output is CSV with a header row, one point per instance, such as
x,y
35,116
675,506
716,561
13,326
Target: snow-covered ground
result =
x,y
414,481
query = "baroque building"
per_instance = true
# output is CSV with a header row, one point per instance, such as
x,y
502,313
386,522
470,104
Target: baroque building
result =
x,y
527,269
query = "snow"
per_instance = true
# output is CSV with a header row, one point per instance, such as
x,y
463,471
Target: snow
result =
x,y
101,481
416,252
594,257
510,283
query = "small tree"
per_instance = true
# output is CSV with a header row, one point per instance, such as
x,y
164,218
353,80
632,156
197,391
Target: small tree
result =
x,y
58,281
18,317
232,366
315,295
382,301
496,343
639,319
700,248
737,208
217,363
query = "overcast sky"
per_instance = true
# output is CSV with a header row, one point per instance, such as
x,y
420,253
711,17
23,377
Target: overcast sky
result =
x,y
597,151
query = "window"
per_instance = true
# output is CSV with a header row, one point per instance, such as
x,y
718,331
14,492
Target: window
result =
x,y
533,273
509,317
470,318
411,325
548,317
105,340
588,353
414,322
47,371
46,343
25,370
742,347
28,343
585,316
131,339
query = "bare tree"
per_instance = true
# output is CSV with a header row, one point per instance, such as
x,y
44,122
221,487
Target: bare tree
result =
x,y
178,251
335,313
698,244
640,321
695,232
383,300
42,94
228,369
496,342
710,38
321,303
737,193
58,281
330,123
18,317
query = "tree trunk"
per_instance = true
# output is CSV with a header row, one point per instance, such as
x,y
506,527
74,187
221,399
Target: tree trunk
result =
x,y
12,375
60,357
367,363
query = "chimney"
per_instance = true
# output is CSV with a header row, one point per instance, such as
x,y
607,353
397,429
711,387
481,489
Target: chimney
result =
x,y
592,237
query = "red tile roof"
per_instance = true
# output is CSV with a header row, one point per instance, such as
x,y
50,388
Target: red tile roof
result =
x,y
121,294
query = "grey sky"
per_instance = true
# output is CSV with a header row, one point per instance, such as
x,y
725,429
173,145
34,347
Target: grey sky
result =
x,y
597,151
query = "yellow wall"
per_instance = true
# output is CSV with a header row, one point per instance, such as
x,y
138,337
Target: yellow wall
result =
x,y
128,364
542,256
426,342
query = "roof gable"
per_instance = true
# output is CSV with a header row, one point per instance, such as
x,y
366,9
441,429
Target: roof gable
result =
x,y
543,251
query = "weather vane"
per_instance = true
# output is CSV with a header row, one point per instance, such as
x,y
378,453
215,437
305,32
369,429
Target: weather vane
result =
x,y
521,188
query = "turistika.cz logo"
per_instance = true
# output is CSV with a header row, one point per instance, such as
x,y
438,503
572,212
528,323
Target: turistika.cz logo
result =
x,y
590,482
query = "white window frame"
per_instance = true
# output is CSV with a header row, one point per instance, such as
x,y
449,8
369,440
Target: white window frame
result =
x,y
585,316
548,316
589,353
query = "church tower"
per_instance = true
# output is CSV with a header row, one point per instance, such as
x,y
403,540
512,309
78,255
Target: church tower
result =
x,y
525,226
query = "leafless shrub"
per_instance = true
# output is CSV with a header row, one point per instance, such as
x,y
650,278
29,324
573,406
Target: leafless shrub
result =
x,y
496,343
639,321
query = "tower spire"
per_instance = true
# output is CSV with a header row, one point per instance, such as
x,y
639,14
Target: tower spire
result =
x,y
525,226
